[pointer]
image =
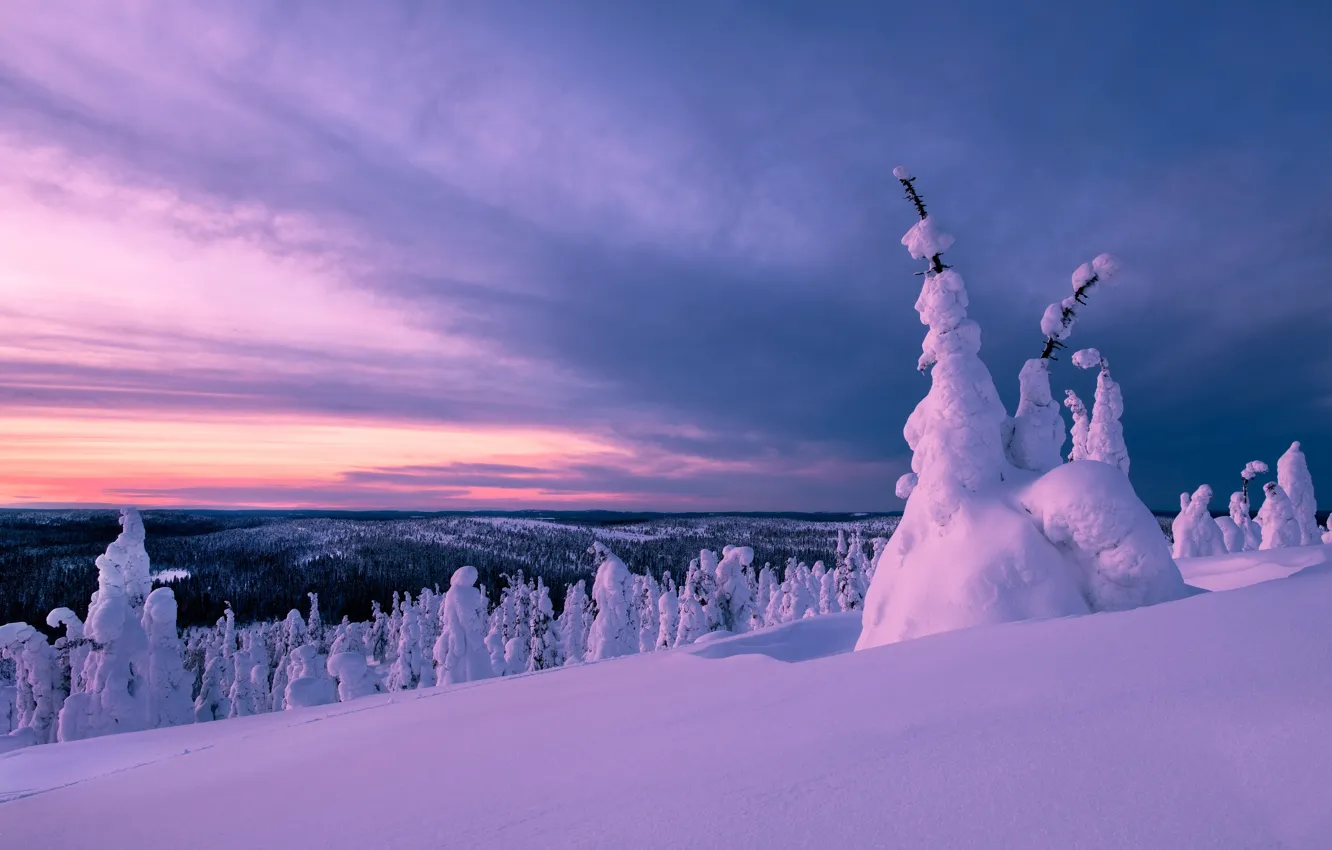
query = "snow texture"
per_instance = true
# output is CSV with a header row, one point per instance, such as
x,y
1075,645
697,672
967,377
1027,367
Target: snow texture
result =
x,y
1115,731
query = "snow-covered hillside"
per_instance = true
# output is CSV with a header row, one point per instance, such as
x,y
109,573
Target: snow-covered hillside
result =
x,y
1195,723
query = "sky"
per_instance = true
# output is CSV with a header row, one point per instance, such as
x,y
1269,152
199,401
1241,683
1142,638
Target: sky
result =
x,y
425,255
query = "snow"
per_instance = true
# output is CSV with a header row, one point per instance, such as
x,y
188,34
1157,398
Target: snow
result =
x,y
1241,569
1293,476
924,239
1194,724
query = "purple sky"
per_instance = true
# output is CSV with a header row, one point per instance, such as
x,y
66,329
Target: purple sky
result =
x,y
610,255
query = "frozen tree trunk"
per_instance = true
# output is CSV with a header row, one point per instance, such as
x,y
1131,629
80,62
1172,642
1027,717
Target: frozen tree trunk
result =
x,y
1293,476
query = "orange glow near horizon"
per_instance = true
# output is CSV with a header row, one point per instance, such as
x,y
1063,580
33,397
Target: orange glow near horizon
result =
x,y
56,458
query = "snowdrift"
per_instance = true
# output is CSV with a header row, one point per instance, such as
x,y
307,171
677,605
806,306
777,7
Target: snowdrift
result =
x,y
1198,723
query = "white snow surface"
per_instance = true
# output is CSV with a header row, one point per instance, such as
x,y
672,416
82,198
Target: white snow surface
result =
x,y
1199,723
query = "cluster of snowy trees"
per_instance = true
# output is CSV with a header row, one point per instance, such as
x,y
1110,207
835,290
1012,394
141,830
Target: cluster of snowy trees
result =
x,y
126,666
1287,517
998,526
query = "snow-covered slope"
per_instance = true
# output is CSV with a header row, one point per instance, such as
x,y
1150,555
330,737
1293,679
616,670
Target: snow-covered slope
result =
x,y
1241,569
1197,723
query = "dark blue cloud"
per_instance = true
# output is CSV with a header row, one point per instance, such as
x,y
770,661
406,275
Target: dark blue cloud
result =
x,y
686,212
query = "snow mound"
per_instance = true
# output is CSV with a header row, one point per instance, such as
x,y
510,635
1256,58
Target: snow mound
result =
x,y
801,640
1242,569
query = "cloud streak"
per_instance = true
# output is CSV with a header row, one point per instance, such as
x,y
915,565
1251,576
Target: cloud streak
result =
x,y
670,234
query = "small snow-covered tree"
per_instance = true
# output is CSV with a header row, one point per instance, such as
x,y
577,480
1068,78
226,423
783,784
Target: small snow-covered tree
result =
x,y
353,676
1105,433
1277,519
169,683
244,701
668,616
1037,435
1293,476
408,668
37,694
613,631
848,578
545,651
315,625
575,623
212,702
796,600
460,652
695,599
1196,534
74,645
649,624
1081,425
310,683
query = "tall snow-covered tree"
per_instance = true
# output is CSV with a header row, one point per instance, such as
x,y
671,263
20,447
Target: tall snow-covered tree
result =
x,y
116,667
460,651
169,683
315,625
613,631
1293,476
1277,519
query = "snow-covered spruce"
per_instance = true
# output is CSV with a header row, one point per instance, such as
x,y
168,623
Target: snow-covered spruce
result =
x,y
613,631
169,683
1059,318
1277,519
1196,533
460,651
116,666
1293,476
982,541
1105,433
1037,438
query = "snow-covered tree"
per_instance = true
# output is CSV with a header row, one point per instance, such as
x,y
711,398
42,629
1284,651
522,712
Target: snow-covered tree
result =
x,y
1037,433
545,651
74,645
1196,534
212,702
410,666
797,602
310,683
1105,433
848,578
649,623
116,667
575,624
1277,519
315,625
353,676
613,631
1293,476
169,683
735,606
244,701
1081,425
37,694
1084,540
668,616
461,654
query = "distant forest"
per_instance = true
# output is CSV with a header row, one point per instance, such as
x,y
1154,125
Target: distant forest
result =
x,y
264,563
